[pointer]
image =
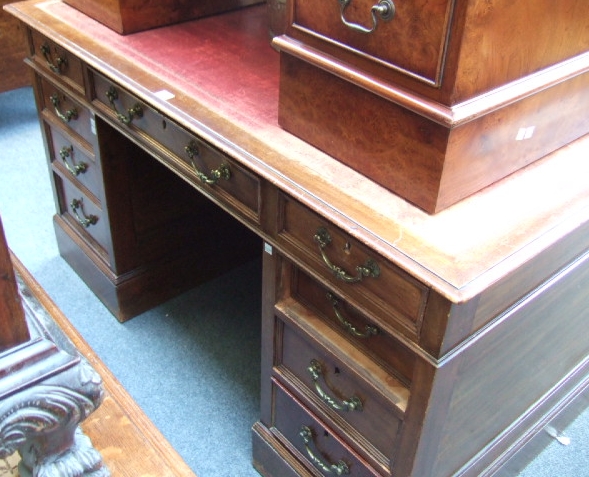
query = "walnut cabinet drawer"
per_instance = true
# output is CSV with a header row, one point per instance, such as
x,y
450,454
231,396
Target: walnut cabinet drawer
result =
x,y
211,170
52,57
409,37
369,281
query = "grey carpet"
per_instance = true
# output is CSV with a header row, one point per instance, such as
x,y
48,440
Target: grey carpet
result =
x,y
192,363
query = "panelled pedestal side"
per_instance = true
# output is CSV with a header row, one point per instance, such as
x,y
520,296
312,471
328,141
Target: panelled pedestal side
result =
x,y
135,232
347,390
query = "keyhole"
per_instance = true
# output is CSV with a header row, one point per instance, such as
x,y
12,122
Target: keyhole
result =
x,y
164,124
347,248
336,371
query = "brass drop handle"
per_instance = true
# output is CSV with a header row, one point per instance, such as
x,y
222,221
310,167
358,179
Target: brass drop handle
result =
x,y
68,115
351,404
56,65
369,269
384,9
134,112
369,330
223,172
340,468
87,220
68,152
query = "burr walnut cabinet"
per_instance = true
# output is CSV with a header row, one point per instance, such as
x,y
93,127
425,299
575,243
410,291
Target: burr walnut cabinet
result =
x,y
395,343
454,94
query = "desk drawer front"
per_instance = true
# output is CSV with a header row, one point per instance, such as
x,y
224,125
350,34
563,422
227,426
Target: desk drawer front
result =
x,y
352,270
411,41
66,110
84,215
52,57
209,168
73,160
315,443
370,419
363,332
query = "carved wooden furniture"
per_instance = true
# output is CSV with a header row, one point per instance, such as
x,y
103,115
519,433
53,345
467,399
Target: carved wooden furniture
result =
x,y
128,441
394,342
45,392
454,94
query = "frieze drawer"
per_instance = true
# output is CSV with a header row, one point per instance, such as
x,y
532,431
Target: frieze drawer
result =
x,y
210,169
369,407
317,445
69,112
352,269
52,57
74,160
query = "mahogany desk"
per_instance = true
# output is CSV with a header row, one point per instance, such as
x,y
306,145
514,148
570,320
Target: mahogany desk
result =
x,y
395,343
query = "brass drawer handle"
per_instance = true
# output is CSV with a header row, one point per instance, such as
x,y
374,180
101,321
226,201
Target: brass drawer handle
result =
x,y
88,220
369,269
68,152
223,172
341,468
59,63
352,404
134,112
68,115
384,9
369,330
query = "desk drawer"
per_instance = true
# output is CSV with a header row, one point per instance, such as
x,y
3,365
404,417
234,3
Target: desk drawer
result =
x,y
410,37
362,331
316,444
366,403
352,270
84,215
62,107
210,169
73,159
51,57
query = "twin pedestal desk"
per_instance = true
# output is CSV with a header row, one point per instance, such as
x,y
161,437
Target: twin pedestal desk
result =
x,y
394,342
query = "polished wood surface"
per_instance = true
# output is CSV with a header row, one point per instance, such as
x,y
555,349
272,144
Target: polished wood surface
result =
x,y
459,252
425,153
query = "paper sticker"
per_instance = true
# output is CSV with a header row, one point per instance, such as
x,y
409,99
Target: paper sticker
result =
x,y
164,94
525,133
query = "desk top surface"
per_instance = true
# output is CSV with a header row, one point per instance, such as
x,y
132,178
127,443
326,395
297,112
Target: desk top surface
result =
x,y
223,74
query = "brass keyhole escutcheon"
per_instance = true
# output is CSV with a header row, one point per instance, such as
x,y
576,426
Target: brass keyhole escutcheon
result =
x,y
347,248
